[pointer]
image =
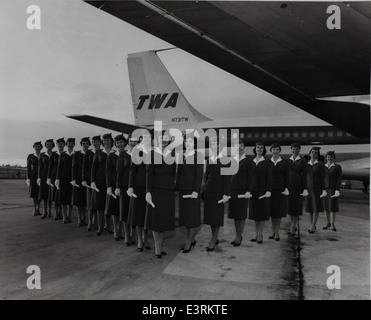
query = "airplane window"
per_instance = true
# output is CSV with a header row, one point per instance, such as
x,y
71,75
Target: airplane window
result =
x,y
296,134
249,134
303,134
321,133
287,134
256,134
264,134
242,135
312,133
339,133
330,133
279,134
348,135
271,135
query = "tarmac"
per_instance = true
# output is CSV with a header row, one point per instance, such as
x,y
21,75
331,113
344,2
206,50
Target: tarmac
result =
x,y
76,264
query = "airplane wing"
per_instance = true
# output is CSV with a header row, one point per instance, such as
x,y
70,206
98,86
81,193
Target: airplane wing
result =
x,y
285,48
109,124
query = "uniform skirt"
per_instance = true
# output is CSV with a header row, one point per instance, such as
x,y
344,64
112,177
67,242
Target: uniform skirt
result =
x,y
259,208
189,210
162,217
124,205
99,198
313,202
278,204
112,206
331,204
52,193
237,207
213,211
33,189
65,192
44,190
79,196
295,202
88,198
138,207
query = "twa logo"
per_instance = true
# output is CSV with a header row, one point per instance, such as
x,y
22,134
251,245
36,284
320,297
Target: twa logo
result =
x,y
155,101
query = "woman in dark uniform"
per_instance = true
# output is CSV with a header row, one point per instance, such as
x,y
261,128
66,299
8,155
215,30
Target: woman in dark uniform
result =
x,y
316,187
63,181
279,200
79,192
261,187
333,174
87,164
188,183
42,178
98,181
137,187
297,186
112,203
160,188
216,193
240,184
54,193
32,172
122,184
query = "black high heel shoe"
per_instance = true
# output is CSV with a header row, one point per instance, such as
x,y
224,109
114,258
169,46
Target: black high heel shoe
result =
x,y
99,233
272,237
260,241
254,239
140,249
238,244
163,253
158,256
213,248
193,243
147,247
328,226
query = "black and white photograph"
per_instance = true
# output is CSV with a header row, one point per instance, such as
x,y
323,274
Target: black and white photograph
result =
x,y
187,155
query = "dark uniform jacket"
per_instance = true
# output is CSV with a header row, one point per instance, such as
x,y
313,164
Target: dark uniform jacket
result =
x,y
64,168
137,175
44,165
242,179
162,175
111,173
53,164
333,177
298,173
316,175
214,180
280,175
123,169
98,168
32,166
87,163
189,175
261,176
77,161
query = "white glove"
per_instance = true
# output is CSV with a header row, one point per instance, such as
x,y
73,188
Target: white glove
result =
x,y
149,199
117,192
285,192
49,181
324,194
305,193
337,193
268,194
131,193
28,182
57,182
94,186
73,182
38,181
84,184
109,191
194,195
225,198
248,195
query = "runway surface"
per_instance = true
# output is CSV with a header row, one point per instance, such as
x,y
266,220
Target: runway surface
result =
x,y
76,264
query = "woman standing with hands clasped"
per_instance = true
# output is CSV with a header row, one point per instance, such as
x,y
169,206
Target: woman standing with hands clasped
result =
x,y
333,174
240,185
160,193
32,172
280,177
188,183
216,192
316,187
261,187
42,178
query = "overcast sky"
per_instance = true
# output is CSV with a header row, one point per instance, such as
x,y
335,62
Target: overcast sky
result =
x,y
76,64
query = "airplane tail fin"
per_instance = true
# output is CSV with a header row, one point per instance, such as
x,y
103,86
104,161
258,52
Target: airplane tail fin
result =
x,y
155,94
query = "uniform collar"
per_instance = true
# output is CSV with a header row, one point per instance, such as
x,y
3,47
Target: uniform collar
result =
x,y
59,153
142,148
278,160
331,165
84,152
46,153
238,159
37,156
70,154
165,153
112,151
312,163
295,159
186,155
213,158
128,152
260,160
